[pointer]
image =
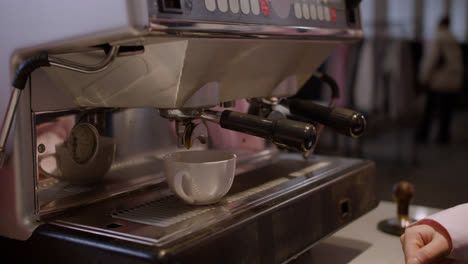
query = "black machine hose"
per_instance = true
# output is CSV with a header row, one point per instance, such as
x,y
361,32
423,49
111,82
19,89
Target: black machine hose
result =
x,y
335,89
19,82
27,67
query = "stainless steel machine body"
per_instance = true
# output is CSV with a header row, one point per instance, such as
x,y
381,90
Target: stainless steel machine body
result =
x,y
84,151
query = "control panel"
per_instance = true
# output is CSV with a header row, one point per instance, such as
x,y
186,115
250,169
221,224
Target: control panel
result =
x,y
298,13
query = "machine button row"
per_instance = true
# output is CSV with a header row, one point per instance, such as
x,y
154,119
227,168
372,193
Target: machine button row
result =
x,y
246,6
301,10
234,4
210,5
311,11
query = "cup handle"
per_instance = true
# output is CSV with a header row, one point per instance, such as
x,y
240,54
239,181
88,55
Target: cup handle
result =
x,y
178,185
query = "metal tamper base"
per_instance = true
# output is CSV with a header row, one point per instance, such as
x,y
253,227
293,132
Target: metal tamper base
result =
x,y
403,192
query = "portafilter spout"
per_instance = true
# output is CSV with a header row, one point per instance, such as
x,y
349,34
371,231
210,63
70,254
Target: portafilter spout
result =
x,y
290,134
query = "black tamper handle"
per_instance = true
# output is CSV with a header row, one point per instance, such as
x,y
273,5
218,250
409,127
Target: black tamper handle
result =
x,y
290,134
344,121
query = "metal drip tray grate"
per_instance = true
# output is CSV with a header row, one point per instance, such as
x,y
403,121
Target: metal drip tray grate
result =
x,y
164,212
170,212
252,191
157,216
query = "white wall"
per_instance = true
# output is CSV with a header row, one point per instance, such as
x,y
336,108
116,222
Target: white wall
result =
x,y
459,14
368,17
402,17
433,11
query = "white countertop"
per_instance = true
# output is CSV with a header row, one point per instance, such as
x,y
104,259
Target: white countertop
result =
x,y
362,243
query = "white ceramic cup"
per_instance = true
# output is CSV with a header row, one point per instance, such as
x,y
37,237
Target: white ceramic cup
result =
x,y
200,177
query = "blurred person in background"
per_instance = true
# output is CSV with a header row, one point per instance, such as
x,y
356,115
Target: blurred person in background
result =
x,y
441,76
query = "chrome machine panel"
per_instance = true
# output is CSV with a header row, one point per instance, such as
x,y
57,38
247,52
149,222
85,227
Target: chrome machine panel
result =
x,y
82,140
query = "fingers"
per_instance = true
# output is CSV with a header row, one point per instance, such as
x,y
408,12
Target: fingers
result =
x,y
412,243
434,251
413,261
423,245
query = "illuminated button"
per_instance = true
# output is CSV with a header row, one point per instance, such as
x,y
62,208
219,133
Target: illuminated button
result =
x,y
313,12
305,11
297,10
223,5
234,5
327,13
265,7
255,7
245,6
320,12
333,14
210,5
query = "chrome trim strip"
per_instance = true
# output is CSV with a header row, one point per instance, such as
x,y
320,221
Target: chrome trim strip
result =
x,y
52,208
74,66
231,30
102,232
8,122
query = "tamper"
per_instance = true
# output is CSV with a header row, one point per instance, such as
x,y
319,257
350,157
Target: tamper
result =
x,y
402,194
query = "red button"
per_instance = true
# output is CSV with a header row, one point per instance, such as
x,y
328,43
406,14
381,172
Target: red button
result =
x,y
333,14
265,7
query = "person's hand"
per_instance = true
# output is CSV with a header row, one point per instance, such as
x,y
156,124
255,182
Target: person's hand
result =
x,y
422,244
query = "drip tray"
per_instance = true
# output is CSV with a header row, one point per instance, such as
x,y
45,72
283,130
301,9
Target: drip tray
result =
x,y
163,212
170,210
287,186
248,189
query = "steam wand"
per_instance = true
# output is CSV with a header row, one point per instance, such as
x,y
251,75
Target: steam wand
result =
x,y
22,74
43,59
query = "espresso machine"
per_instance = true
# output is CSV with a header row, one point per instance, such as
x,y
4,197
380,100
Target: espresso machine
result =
x,y
95,93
